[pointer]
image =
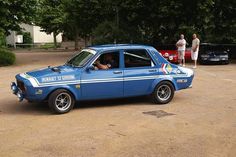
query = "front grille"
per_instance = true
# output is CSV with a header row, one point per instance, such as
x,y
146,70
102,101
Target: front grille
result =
x,y
20,85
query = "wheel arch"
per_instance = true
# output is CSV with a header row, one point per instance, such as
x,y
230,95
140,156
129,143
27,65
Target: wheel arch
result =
x,y
64,88
158,81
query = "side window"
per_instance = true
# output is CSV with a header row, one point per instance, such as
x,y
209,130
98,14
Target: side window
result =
x,y
110,60
137,58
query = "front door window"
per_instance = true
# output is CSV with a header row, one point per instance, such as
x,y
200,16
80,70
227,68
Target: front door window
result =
x,y
107,61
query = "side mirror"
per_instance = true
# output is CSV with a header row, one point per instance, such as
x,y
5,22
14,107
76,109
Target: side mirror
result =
x,y
89,68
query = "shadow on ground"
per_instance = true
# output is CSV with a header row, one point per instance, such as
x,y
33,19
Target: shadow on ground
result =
x,y
26,108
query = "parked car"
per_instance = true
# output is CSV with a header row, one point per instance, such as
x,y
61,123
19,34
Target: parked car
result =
x,y
137,70
170,53
213,54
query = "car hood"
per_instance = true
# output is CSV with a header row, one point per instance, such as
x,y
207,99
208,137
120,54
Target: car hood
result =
x,y
57,74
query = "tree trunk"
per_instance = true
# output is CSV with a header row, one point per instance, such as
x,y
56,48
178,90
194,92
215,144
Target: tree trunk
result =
x,y
76,39
55,40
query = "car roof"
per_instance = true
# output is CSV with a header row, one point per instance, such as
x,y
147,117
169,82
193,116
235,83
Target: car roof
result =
x,y
118,47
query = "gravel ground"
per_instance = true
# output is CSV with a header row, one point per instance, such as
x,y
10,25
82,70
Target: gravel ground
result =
x,y
199,122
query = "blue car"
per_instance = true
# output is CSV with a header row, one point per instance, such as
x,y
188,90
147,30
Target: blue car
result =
x,y
104,72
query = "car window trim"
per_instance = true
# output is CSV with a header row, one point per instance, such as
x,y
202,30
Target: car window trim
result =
x,y
152,60
84,65
108,51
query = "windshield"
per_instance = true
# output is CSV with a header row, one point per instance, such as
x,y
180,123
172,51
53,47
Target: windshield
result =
x,y
80,59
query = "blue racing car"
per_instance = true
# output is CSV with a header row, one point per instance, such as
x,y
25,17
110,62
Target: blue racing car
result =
x,y
104,72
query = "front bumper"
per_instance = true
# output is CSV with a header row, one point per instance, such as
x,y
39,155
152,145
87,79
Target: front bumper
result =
x,y
17,91
214,59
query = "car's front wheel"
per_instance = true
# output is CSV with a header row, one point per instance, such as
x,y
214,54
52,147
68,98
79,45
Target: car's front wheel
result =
x,y
163,93
61,101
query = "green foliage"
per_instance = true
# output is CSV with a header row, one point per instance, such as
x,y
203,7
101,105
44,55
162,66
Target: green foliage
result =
x,y
108,33
81,17
50,17
2,39
47,46
140,21
6,57
224,30
27,40
129,21
15,12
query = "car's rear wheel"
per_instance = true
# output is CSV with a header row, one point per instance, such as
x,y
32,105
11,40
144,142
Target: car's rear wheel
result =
x,y
61,101
163,93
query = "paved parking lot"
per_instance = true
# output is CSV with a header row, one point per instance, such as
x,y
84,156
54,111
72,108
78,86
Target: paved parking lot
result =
x,y
198,122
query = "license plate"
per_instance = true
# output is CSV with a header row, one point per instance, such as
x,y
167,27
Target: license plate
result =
x,y
214,59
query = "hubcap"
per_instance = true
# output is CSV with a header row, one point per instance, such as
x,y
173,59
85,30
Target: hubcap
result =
x,y
163,92
63,101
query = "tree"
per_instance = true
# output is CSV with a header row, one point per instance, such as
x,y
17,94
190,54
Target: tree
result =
x,y
15,12
82,16
224,30
50,17
141,21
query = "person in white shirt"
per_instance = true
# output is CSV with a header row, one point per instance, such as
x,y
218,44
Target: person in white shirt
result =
x,y
181,45
195,49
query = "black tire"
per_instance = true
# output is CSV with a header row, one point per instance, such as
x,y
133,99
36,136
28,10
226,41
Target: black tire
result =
x,y
165,85
57,105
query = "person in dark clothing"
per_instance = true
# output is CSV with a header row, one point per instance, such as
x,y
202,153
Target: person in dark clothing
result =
x,y
108,62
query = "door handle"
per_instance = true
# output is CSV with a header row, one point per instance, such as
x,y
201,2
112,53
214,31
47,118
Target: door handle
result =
x,y
117,72
152,70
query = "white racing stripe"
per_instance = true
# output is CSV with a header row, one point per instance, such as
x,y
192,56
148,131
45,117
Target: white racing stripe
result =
x,y
35,82
32,80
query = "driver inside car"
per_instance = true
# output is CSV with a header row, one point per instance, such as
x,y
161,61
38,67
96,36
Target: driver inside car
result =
x,y
108,62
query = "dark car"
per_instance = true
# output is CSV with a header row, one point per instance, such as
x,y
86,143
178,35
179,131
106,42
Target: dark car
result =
x,y
213,54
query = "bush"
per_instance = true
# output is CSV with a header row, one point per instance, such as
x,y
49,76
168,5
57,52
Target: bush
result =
x,y
2,39
47,46
6,57
27,39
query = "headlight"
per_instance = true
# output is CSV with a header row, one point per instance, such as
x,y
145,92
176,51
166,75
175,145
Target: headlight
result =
x,y
170,57
166,54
